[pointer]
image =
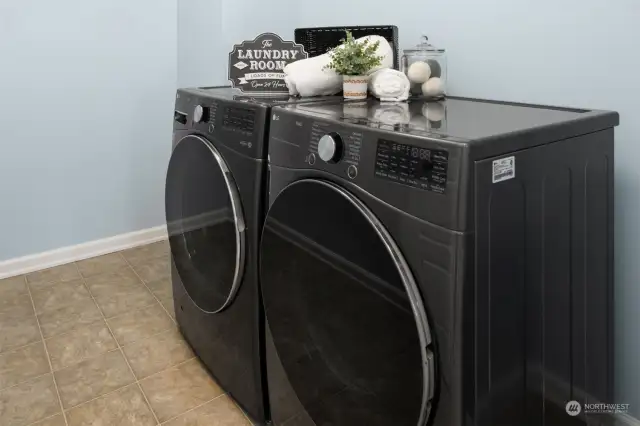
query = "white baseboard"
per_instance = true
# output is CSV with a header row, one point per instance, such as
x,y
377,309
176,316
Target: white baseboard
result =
x,y
60,256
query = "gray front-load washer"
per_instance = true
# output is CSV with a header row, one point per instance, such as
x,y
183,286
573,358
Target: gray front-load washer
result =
x,y
444,263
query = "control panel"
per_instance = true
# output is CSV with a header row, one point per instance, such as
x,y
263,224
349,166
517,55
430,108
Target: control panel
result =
x,y
205,113
412,165
341,148
230,123
239,119
416,174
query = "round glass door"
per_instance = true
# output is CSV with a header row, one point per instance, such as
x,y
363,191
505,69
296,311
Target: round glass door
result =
x,y
205,224
346,317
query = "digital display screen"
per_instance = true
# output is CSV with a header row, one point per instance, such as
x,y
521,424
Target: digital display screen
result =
x,y
412,166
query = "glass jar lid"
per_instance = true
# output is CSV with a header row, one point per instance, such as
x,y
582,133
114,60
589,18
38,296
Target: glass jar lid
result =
x,y
425,46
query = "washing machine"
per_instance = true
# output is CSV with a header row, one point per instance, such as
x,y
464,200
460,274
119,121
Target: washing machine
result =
x,y
438,263
215,194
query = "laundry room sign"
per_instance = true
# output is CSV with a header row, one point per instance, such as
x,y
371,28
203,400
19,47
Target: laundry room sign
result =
x,y
256,66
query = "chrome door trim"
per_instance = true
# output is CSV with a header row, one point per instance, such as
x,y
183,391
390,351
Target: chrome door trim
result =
x,y
417,306
238,218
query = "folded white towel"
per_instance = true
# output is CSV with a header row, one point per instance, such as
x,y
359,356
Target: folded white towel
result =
x,y
307,77
389,85
392,113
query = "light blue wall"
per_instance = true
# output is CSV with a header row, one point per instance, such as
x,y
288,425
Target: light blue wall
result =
x,y
86,95
570,52
208,29
201,60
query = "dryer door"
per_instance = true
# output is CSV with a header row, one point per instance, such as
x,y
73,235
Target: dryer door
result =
x,y
350,343
205,223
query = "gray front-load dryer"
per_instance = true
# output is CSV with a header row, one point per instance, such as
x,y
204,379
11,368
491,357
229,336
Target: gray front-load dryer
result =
x,y
443,263
215,202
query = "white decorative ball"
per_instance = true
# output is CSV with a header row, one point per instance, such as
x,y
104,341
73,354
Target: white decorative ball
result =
x,y
419,72
434,111
433,87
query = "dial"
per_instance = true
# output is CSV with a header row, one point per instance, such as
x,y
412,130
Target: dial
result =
x,y
199,114
330,148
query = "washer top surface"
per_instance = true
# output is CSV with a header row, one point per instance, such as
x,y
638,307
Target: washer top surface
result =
x,y
231,94
474,122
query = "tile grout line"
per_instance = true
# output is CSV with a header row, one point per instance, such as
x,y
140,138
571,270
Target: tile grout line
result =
x,y
92,357
87,358
124,313
121,313
16,348
43,420
119,348
137,382
25,381
73,330
173,366
146,286
125,386
102,396
46,351
193,409
175,322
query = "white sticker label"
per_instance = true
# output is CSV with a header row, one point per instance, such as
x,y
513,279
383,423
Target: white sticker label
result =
x,y
504,169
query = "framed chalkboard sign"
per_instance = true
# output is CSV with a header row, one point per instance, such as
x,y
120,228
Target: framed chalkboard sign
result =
x,y
256,66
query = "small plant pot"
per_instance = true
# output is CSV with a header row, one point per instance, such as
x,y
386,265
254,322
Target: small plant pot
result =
x,y
355,86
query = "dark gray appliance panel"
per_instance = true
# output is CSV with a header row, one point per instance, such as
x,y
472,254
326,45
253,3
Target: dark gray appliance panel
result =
x,y
544,281
293,143
205,222
345,315
237,125
239,327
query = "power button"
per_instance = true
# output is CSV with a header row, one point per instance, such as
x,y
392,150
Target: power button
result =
x,y
352,172
312,159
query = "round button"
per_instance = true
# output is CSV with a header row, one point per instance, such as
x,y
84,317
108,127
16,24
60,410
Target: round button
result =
x,y
330,148
211,128
199,113
312,159
352,172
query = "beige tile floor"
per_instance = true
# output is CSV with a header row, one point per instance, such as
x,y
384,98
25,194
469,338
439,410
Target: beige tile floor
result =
x,y
95,343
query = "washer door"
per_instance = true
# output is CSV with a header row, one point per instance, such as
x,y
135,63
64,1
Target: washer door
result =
x,y
205,223
346,318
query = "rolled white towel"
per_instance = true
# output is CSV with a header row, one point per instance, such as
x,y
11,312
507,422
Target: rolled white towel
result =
x,y
384,49
392,113
308,77
390,85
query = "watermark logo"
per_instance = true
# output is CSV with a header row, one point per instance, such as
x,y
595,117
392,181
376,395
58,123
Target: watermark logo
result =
x,y
573,408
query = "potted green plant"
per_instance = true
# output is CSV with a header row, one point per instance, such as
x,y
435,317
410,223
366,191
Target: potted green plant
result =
x,y
353,60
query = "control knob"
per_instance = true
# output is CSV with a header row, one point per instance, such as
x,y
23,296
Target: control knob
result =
x,y
330,148
199,114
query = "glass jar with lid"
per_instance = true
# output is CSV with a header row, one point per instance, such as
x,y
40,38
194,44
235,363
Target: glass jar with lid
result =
x,y
426,68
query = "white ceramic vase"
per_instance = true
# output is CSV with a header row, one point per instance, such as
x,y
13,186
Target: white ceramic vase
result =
x,y
355,86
